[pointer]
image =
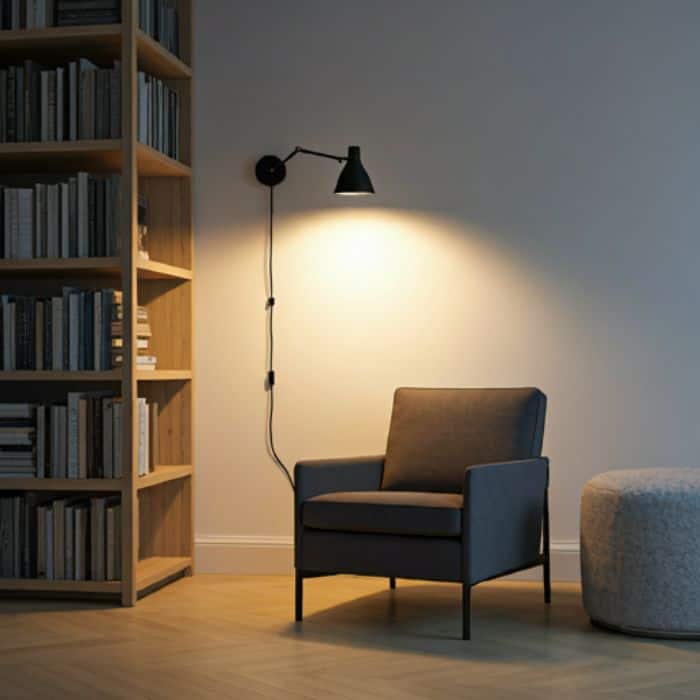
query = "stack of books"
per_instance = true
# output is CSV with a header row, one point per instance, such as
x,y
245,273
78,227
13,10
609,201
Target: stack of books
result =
x,y
144,361
71,13
39,14
67,103
158,115
64,217
17,441
159,18
78,539
70,332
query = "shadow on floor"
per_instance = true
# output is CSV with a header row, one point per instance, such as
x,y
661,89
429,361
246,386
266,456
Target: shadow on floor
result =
x,y
510,622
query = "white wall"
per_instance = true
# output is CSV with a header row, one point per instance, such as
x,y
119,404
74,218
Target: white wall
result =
x,y
537,167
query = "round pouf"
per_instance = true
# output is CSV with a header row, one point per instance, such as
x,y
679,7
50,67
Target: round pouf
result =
x,y
640,551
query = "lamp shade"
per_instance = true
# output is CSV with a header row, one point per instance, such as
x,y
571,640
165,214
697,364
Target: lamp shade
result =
x,y
354,179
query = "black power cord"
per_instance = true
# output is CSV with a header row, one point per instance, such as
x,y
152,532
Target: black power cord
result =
x,y
271,352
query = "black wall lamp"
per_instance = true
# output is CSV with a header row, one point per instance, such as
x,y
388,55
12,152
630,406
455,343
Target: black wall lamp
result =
x,y
353,180
271,171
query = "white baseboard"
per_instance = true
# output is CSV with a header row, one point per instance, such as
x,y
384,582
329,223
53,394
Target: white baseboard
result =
x,y
273,554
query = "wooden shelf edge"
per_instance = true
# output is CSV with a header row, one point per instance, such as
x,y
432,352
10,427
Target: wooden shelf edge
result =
x,y
40,585
111,265
164,474
164,375
49,376
60,147
152,269
50,35
156,59
153,570
33,484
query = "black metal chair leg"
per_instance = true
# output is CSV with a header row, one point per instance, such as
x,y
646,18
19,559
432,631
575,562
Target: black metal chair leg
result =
x,y
546,573
298,596
392,582
466,612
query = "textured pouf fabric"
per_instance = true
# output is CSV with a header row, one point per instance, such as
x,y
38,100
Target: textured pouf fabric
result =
x,y
640,551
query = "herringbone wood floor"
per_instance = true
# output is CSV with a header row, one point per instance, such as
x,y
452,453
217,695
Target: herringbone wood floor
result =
x,y
232,637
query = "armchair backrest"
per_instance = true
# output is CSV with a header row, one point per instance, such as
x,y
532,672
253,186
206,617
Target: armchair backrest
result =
x,y
436,433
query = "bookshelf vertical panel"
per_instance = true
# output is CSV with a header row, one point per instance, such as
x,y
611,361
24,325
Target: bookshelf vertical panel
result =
x,y
130,518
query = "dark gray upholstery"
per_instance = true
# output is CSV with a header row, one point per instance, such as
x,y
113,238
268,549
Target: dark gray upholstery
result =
x,y
460,496
386,512
504,505
433,558
436,433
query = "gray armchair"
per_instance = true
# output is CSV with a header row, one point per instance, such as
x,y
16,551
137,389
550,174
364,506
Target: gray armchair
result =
x,y
461,495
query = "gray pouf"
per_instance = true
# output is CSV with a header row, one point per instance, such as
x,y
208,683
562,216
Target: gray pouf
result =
x,y
640,551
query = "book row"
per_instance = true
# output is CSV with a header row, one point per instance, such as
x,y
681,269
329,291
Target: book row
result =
x,y
158,115
75,538
67,103
78,439
71,217
160,19
39,14
69,332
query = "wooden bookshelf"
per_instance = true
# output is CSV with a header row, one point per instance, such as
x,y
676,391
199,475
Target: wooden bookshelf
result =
x,y
157,509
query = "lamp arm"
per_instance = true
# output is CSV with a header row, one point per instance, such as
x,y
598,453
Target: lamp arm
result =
x,y
310,152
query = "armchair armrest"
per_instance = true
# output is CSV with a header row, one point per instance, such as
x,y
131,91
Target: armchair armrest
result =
x,y
315,477
503,511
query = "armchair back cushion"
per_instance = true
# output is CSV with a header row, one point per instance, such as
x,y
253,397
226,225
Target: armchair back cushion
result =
x,y
436,434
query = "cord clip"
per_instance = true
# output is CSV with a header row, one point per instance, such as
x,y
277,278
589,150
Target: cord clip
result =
x,y
270,302
271,378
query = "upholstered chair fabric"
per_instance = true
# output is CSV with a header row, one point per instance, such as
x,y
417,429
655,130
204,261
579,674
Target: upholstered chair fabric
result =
x,y
436,433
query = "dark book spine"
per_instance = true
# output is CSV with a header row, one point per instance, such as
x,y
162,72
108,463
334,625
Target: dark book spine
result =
x,y
48,336
11,104
97,441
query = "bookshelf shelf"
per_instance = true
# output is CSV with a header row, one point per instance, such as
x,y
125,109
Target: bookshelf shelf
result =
x,y
101,485
152,571
52,267
155,163
156,511
114,375
100,42
40,585
90,267
96,156
164,474
152,269
164,375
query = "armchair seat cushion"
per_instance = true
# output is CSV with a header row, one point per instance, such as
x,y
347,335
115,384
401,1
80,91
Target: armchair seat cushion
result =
x,y
386,512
